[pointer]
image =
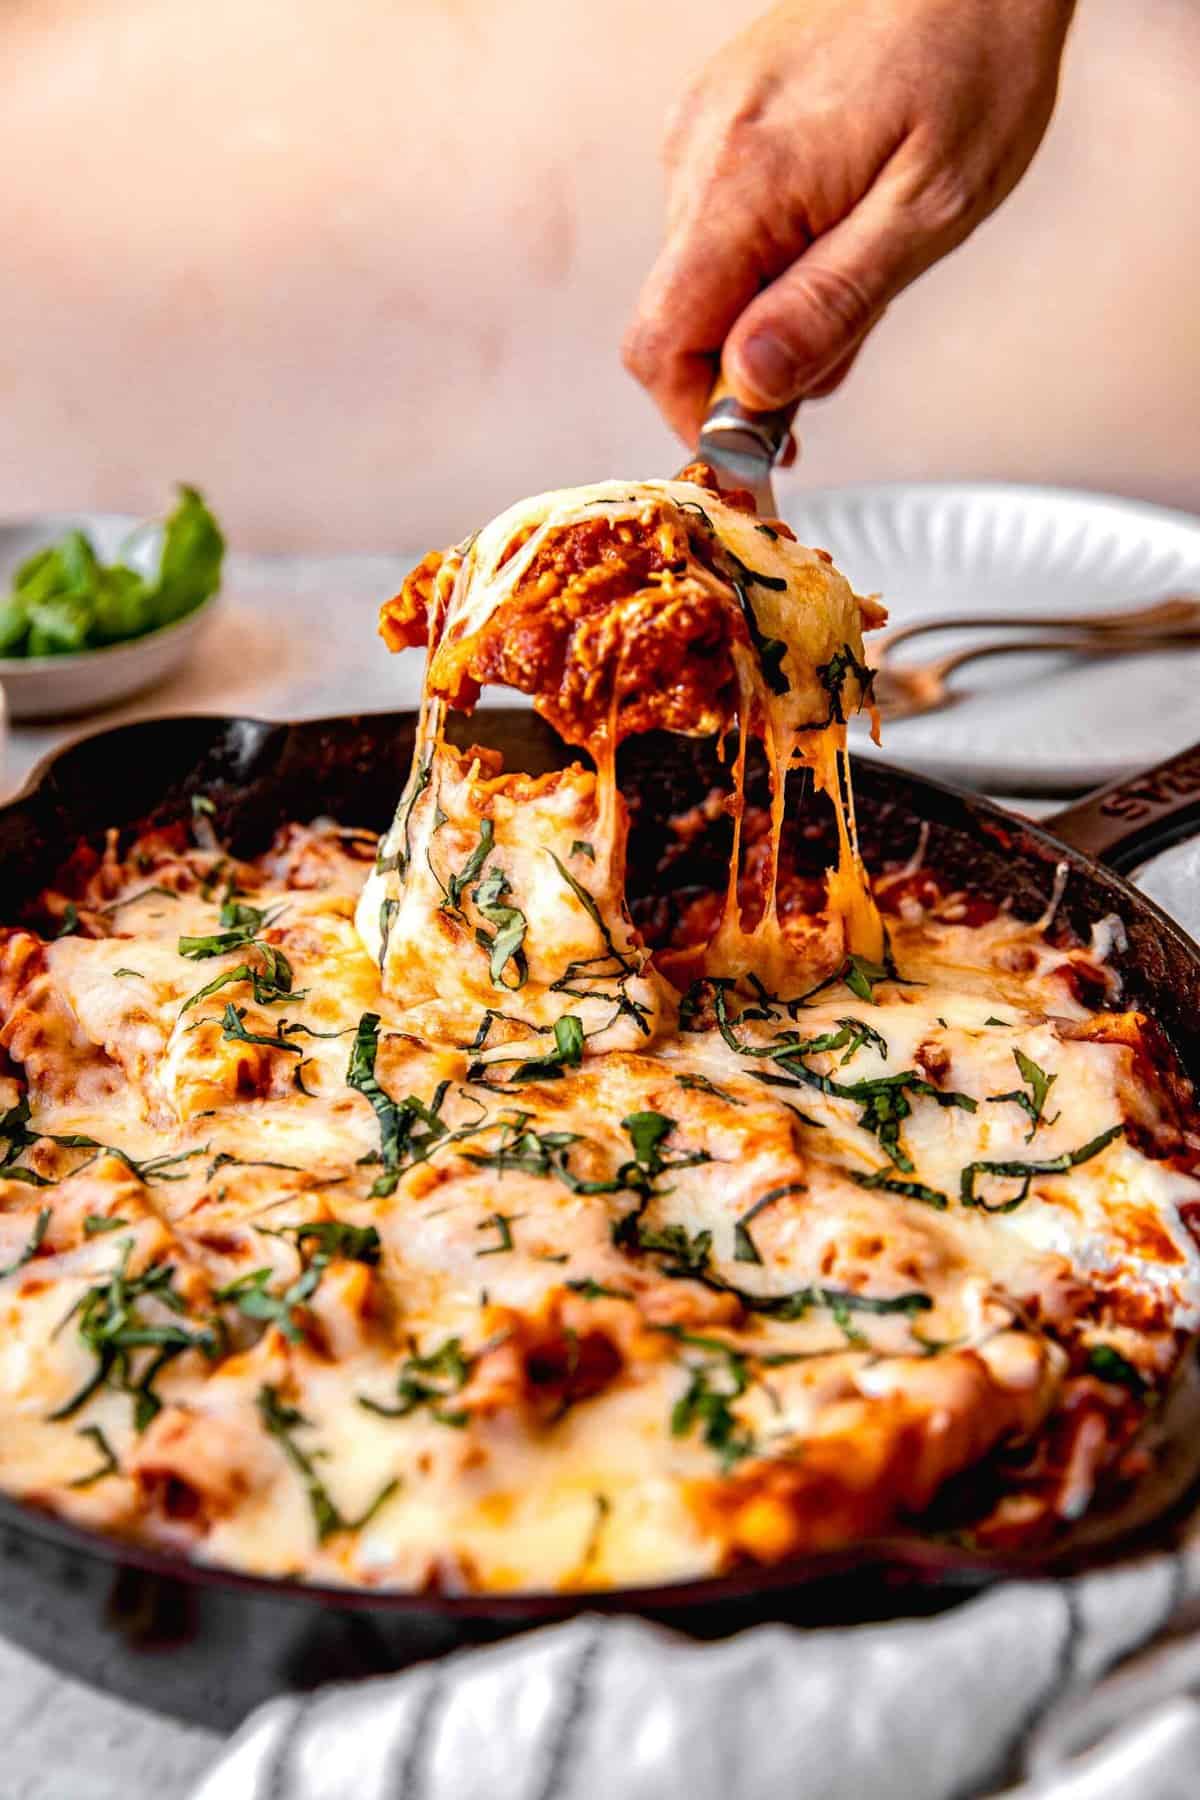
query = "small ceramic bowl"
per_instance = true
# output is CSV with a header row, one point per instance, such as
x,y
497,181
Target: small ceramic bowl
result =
x,y
45,687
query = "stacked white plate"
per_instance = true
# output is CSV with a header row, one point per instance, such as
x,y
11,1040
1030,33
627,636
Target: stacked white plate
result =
x,y
1025,724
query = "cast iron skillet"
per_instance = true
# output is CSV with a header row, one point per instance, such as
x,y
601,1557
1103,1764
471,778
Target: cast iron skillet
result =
x,y
208,1645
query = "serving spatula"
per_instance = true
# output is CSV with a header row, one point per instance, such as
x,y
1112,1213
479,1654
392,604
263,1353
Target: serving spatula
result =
x,y
742,447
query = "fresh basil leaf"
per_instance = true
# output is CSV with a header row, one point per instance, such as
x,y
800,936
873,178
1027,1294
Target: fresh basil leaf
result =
x,y
833,676
911,1190
336,1238
41,1223
745,1249
232,1028
457,885
420,775
567,1054
703,1085
108,1464
429,1381
189,567
113,1326
506,940
588,1289
254,1296
1024,1172
1031,1099
501,1223
400,1142
281,1421
1107,1364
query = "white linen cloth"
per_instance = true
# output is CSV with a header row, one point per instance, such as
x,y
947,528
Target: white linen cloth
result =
x,y
1086,1689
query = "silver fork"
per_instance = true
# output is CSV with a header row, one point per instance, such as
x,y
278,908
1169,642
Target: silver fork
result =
x,y
904,690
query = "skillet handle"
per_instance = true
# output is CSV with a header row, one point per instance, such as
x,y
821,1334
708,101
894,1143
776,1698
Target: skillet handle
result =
x,y
1129,820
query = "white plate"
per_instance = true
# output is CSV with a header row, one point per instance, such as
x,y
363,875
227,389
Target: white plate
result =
x,y
1025,724
42,687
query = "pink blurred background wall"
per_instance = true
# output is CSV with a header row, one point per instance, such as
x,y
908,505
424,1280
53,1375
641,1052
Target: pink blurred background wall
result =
x,y
360,267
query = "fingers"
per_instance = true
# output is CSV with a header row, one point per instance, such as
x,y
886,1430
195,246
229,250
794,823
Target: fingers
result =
x,y
704,278
795,338
798,337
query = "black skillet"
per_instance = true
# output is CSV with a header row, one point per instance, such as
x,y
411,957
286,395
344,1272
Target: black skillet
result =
x,y
207,1645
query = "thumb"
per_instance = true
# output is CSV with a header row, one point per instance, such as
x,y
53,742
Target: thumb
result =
x,y
812,318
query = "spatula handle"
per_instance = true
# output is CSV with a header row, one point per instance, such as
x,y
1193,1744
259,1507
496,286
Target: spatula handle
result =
x,y
726,415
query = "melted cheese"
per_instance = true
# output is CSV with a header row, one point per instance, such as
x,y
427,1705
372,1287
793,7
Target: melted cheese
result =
x,y
445,1238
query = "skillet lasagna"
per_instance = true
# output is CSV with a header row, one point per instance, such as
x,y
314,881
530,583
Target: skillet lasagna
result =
x,y
400,1213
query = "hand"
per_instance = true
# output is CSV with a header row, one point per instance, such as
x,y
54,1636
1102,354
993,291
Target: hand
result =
x,y
820,164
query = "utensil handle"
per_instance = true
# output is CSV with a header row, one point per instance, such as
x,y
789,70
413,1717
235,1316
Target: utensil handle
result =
x,y
1171,616
1116,643
1128,820
726,416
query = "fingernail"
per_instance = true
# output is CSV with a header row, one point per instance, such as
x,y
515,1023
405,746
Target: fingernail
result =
x,y
770,368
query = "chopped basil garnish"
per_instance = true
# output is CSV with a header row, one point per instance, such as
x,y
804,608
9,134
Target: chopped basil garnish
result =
x,y
241,926
333,1238
1032,1098
1024,1172
833,676
253,1295
108,1464
317,1243
688,1253
501,1224
911,1190
607,973
703,1085
225,1159
1107,1364
457,885
96,1224
745,1249
40,1226
429,1381
233,1028
166,893
281,1422
271,981
801,1301
721,1377
400,1143
883,1102
113,1326
504,942
388,908
566,1054
418,780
